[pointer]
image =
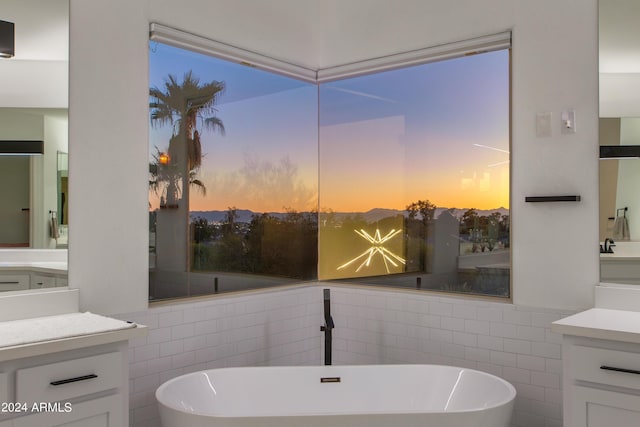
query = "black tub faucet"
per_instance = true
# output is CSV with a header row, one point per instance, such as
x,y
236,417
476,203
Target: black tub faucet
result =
x,y
608,246
328,326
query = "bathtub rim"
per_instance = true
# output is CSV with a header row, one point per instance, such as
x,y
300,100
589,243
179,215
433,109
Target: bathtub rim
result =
x,y
510,398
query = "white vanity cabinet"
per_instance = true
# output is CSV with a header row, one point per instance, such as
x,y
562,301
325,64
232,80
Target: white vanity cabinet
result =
x,y
615,269
85,387
601,383
601,362
21,279
60,367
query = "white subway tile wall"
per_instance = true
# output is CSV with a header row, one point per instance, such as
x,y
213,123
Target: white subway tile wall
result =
x,y
513,342
274,327
373,326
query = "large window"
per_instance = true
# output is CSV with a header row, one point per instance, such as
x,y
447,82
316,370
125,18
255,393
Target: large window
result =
x,y
395,178
233,176
414,176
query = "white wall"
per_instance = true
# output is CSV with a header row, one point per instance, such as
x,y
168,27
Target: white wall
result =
x,y
619,94
555,259
273,327
18,125
56,138
375,326
555,256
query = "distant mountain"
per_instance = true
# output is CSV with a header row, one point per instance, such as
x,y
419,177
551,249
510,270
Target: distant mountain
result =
x,y
376,214
243,215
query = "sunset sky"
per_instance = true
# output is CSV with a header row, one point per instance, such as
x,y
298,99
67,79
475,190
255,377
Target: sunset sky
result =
x,y
437,131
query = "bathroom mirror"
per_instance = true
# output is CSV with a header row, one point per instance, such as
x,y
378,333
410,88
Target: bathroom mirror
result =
x,y
619,58
34,107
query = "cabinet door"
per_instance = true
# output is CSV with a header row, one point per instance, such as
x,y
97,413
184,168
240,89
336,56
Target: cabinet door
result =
x,y
602,408
102,412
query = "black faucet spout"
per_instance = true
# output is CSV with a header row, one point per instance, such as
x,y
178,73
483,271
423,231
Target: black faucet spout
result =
x,y
328,327
608,246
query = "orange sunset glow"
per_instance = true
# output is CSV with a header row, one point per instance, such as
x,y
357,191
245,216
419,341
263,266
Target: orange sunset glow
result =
x,y
382,141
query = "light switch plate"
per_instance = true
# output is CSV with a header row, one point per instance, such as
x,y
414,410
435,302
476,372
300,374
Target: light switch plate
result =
x,y
568,121
543,125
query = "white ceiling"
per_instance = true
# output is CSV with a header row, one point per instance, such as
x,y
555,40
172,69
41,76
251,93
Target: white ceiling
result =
x,y
37,76
619,55
41,28
42,31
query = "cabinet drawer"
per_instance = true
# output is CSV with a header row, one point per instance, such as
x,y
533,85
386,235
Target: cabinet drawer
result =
x,y
39,281
611,367
69,379
620,270
14,282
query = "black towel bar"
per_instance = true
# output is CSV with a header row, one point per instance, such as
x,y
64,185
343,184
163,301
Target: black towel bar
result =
x,y
552,199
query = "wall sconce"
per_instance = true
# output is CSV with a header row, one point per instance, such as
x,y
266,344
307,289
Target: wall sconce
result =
x,y
21,148
7,36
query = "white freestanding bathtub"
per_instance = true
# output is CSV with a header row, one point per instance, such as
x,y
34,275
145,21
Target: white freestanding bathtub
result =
x,y
337,396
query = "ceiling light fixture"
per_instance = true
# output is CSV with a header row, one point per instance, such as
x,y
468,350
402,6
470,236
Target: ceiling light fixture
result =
x,y
21,148
619,151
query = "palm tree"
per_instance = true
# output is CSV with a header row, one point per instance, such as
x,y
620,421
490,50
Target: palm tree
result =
x,y
169,175
184,105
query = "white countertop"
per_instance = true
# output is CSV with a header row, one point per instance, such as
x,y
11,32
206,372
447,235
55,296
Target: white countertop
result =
x,y
34,323
49,334
54,346
41,266
601,323
623,250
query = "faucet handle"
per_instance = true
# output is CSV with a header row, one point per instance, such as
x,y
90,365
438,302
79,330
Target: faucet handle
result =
x,y
330,323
